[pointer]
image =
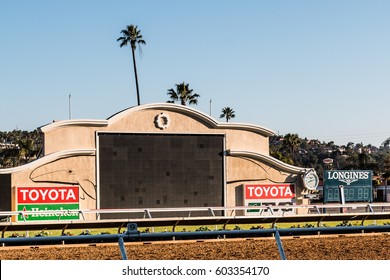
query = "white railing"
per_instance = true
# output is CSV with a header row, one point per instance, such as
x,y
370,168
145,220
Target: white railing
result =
x,y
235,211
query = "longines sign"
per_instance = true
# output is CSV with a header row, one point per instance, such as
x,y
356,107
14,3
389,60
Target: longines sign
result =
x,y
348,177
352,185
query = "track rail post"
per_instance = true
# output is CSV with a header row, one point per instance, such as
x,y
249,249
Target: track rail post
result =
x,y
132,228
211,210
280,245
122,248
147,214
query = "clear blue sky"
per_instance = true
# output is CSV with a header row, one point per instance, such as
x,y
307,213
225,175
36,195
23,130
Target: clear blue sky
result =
x,y
317,68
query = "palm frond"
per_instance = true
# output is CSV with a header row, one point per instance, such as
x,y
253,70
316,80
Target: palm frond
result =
x,y
227,113
172,95
183,94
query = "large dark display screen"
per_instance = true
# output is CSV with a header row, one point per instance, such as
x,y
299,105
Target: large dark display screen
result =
x,y
160,171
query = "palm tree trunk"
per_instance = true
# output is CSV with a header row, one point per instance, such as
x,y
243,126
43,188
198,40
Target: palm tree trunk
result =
x,y
136,76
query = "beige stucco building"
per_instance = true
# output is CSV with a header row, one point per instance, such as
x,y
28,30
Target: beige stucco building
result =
x,y
76,155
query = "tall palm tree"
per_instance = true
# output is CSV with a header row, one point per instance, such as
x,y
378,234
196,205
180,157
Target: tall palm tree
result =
x,y
184,94
132,36
227,113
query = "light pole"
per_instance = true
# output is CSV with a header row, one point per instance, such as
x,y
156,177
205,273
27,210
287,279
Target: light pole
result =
x,y
70,114
342,195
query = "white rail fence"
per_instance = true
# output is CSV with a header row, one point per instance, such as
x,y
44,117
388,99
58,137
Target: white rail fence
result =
x,y
232,212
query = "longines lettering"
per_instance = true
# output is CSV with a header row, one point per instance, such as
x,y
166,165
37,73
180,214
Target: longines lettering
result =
x,y
348,177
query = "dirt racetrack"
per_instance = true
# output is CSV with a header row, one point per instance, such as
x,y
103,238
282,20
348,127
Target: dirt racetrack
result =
x,y
339,247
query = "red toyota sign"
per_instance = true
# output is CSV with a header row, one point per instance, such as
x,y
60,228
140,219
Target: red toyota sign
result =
x,y
43,195
269,191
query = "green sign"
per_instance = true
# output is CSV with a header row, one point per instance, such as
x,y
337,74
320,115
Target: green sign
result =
x,y
253,204
356,185
39,216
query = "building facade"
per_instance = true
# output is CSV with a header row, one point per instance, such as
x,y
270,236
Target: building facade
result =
x,y
151,156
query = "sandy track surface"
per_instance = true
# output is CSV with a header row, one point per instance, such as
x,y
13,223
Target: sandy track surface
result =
x,y
356,247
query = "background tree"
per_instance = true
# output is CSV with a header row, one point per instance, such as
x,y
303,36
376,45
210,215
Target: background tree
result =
x,y
292,142
183,94
19,147
386,144
227,113
132,36
386,168
280,156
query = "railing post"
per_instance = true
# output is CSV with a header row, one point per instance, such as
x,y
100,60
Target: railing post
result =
x,y
82,214
23,215
147,214
122,248
280,245
131,228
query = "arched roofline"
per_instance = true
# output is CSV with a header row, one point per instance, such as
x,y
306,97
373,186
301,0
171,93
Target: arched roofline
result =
x,y
48,159
159,106
75,122
192,113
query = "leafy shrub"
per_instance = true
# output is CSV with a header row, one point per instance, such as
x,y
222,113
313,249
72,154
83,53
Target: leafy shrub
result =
x,y
344,224
42,234
85,232
202,228
257,227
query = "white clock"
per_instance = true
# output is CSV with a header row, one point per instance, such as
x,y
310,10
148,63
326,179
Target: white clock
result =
x,y
310,180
